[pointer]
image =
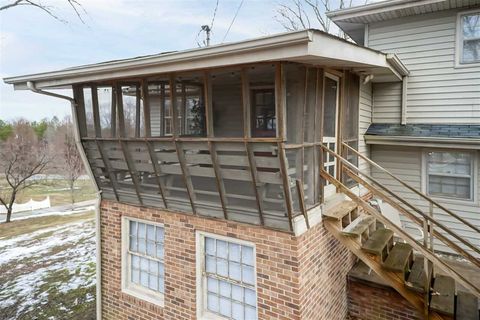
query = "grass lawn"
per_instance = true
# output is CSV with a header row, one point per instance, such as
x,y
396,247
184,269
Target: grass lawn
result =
x,y
47,268
59,192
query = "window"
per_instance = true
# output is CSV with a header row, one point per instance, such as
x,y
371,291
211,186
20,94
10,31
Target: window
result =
x,y
263,110
450,174
228,289
469,38
142,260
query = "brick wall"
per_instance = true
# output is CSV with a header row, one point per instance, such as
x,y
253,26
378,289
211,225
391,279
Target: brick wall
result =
x,y
368,301
297,277
324,264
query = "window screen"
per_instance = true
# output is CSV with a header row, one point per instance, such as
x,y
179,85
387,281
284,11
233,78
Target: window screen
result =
x,y
229,273
470,24
450,174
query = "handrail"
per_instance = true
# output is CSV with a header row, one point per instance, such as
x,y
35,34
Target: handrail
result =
x,y
424,251
420,212
412,188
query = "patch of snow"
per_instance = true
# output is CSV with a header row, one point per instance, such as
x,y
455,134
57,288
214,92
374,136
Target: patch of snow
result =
x,y
56,213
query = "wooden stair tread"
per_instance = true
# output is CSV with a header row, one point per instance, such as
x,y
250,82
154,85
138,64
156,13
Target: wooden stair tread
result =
x,y
359,225
377,241
467,306
398,258
416,279
340,210
443,295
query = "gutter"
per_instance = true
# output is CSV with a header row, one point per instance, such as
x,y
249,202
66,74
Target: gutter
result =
x,y
31,87
458,143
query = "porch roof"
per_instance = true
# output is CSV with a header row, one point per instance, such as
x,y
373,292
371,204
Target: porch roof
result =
x,y
456,135
306,46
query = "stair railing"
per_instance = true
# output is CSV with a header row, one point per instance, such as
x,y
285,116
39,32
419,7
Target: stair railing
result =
x,y
353,172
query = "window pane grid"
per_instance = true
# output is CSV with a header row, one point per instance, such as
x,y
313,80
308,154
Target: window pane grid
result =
x,y
145,253
450,174
230,279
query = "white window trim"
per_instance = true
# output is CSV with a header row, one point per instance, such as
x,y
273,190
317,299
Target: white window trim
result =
x,y
202,313
131,288
459,41
424,177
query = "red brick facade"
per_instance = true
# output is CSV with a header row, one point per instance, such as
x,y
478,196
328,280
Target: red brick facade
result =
x,y
297,277
368,301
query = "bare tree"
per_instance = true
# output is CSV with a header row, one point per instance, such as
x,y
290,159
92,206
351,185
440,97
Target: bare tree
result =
x,y
70,161
22,156
50,10
298,14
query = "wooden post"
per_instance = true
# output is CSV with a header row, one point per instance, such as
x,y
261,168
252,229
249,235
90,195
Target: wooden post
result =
x,y
131,168
218,178
186,175
146,109
426,288
156,169
286,183
113,113
208,104
121,114
80,110
137,111
162,108
183,111
173,105
280,100
96,112
254,174
108,167
247,120
301,202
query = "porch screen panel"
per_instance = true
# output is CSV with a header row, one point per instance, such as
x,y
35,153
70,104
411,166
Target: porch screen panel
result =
x,y
262,100
350,121
190,105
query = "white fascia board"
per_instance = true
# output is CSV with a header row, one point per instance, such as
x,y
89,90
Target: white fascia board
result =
x,y
456,143
376,8
278,47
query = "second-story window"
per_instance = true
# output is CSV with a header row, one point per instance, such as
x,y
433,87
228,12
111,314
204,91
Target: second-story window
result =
x,y
469,38
450,174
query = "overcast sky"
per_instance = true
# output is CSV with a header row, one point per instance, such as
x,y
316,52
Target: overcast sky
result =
x,y
31,41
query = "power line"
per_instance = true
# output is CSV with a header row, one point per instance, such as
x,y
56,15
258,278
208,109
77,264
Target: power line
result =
x,y
233,20
214,14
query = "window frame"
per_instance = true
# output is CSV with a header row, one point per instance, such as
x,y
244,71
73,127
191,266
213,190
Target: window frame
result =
x,y
201,279
129,287
459,41
474,173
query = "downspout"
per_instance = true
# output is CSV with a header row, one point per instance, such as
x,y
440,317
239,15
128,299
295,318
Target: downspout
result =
x,y
31,87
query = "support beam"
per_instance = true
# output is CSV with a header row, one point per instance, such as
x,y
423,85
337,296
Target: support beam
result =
x,y
218,178
146,109
96,112
280,100
286,184
186,175
113,112
247,118
301,201
108,167
131,169
80,111
121,114
208,104
156,169
253,172
137,110
173,105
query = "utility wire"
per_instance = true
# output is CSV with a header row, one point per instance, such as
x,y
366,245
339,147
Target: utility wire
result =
x,y
233,20
214,14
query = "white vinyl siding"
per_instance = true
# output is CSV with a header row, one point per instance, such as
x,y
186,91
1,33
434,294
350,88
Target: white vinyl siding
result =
x,y
228,278
365,119
387,101
406,163
143,269
438,91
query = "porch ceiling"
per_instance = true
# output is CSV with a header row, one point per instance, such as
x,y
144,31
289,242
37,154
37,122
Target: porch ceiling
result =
x,y
306,46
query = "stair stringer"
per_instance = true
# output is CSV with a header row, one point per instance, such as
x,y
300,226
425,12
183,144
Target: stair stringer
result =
x,y
416,299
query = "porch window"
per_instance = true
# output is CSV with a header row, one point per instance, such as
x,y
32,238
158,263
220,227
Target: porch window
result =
x,y
228,278
450,174
469,38
263,110
143,273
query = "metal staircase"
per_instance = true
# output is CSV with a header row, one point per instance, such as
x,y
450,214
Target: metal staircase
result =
x,y
410,266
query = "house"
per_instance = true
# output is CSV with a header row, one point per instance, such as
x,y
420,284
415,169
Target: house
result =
x,y
236,180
